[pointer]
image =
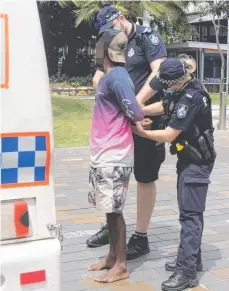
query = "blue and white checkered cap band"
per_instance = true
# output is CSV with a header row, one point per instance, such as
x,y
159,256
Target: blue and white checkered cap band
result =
x,y
171,67
104,20
169,82
112,17
24,159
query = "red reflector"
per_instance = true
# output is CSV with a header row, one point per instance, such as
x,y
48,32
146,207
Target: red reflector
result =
x,y
33,277
20,208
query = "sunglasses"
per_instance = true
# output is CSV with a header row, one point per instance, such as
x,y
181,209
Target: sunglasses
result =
x,y
104,20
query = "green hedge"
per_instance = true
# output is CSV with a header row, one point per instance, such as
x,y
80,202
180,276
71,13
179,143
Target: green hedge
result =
x,y
73,81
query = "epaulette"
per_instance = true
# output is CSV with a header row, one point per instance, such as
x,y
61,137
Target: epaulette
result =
x,y
189,95
147,30
196,91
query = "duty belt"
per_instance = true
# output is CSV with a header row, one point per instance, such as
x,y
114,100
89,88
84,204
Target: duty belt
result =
x,y
205,152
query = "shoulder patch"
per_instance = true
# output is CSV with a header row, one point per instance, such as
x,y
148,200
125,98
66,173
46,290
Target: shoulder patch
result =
x,y
189,96
182,111
131,53
147,30
154,39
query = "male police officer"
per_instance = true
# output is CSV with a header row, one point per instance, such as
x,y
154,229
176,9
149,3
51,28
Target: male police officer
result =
x,y
190,131
144,54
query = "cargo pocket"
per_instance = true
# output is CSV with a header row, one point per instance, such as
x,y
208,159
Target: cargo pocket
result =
x,y
194,193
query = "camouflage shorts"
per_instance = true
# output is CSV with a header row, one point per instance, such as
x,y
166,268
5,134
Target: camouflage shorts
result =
x,y
108,188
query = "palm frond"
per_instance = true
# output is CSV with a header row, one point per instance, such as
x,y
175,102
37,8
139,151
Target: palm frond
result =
x,y
131,9
64,3
167,10
86,14
88,9
85,4
120,7
157,10
177,7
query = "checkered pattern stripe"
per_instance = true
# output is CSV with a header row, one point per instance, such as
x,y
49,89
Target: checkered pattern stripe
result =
x,y
24,160
169,82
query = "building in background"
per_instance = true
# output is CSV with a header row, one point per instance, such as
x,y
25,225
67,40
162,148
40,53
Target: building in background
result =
x,y
204,50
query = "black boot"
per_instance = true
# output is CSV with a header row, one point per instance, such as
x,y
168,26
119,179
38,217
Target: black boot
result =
x,y
136,247
179,282
99,239
171,266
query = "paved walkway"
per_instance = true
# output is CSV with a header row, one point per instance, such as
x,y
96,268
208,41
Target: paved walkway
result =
x,y
146,273
215,115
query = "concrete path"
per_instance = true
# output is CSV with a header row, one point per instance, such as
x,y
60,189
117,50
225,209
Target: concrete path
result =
x,y
146,273
215,115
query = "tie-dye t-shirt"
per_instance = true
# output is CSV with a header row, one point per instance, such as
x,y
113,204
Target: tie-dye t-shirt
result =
x,y
111,141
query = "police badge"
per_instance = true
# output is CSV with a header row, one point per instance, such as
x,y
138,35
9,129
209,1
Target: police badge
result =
x,y
182,111
130,52
154,39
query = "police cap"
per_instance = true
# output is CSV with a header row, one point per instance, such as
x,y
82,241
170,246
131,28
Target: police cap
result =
x,y
105,18
170,72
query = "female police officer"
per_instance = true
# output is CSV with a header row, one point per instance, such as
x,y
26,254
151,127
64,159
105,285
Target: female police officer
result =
x,y
190,131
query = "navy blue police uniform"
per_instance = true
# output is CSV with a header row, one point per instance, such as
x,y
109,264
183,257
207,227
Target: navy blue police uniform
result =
x,y
145,46
191,112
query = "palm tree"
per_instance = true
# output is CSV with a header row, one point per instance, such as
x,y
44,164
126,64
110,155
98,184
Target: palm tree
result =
x,y
166,11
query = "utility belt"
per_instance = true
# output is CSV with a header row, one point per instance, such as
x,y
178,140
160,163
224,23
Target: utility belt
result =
x,y
205,153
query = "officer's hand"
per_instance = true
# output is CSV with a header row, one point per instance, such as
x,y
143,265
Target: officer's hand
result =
x,y
138,129
146,123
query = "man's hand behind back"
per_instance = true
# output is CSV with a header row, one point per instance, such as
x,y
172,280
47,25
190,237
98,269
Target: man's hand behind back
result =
x,y
138,129
146,123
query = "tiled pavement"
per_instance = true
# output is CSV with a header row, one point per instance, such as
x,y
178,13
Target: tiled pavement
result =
x,y
146,273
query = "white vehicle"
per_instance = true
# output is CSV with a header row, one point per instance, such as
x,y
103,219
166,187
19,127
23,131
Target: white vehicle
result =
x,y
30,238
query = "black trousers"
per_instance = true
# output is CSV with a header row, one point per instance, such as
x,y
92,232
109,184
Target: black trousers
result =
x,y
147,159
192,187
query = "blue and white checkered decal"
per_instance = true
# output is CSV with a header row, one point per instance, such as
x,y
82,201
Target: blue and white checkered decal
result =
x,y
23,159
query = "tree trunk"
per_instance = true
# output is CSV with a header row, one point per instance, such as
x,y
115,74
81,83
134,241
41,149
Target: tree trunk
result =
x,y
216,27
70,61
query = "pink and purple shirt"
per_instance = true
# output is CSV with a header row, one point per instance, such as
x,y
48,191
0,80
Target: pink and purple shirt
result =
x,y
111,142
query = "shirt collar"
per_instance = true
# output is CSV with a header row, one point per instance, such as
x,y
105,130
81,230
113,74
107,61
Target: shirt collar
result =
x,y
133,30
187,85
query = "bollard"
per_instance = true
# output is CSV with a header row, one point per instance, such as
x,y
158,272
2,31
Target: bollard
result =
x,y
222,111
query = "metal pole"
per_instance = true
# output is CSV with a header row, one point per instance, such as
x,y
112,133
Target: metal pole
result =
x,y
223,111
198,64
227,75
201,65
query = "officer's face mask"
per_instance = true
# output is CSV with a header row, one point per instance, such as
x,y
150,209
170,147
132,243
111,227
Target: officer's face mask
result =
x,y
176,87
170,91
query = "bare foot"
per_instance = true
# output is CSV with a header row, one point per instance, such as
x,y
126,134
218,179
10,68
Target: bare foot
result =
x,y
117,273
105,263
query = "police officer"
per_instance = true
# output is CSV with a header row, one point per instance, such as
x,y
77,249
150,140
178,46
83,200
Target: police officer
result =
x,y
190,131
144,54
